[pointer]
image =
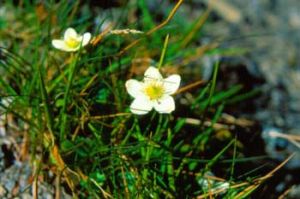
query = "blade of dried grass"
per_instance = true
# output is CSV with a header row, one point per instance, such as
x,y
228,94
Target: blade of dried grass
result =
x,y
256,182
171,15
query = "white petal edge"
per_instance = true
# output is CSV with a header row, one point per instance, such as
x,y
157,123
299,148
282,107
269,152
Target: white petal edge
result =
x,y
86,38
141,106
152,73
70,32
134,88
165,105
58,43
172,84
61,45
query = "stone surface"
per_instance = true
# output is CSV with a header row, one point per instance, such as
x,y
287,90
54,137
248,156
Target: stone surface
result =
x,y
270,30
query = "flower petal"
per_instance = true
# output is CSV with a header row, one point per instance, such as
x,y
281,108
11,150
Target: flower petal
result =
x,y
165,105
61,45
171,84
86,38
141,106
70,32
152,73
58,43
134,88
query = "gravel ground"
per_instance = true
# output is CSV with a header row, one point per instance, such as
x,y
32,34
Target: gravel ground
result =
x,y
272,30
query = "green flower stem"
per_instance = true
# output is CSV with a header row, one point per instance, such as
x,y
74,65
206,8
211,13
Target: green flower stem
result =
x,y
64,114
149,147
161,60
170,169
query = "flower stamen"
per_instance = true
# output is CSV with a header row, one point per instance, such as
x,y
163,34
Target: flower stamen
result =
x,y
72,42
154,90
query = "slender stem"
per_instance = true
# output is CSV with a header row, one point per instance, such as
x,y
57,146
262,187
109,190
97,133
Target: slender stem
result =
x,y
163,52
213,84
233,160
211,92
64,114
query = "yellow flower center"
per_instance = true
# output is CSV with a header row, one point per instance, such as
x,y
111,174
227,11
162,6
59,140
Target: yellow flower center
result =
x,y
72,42
154,90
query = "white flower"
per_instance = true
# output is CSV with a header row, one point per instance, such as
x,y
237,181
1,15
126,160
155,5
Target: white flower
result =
x,y
153,92
72,41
